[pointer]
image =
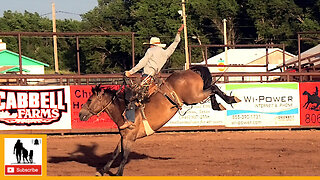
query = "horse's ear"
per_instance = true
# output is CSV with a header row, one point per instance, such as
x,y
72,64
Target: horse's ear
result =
x,y
96,89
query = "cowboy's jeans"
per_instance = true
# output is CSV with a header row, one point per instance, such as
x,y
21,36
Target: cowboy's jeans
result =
x,y
130,112
130,108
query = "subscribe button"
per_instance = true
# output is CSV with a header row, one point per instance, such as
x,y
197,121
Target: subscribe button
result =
x,y
23,170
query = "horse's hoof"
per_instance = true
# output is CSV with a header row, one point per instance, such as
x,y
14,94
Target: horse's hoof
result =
x,y
236,99
222,108
99,173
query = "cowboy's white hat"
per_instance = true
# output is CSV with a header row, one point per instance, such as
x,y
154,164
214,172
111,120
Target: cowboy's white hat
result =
x,y
155,41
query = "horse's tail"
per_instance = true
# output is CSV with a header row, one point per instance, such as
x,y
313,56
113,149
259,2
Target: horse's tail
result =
x,y
205,75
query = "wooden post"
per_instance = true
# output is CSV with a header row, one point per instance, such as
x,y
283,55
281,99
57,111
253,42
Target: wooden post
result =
x,y
284,57
78,54
55,48
185,33
225,41
299,52
132,45
20,54
267,59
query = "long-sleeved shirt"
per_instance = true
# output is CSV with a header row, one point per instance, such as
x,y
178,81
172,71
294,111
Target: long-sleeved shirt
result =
x,y
155,58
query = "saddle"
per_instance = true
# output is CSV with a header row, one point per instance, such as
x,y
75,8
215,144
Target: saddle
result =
x,y
141,89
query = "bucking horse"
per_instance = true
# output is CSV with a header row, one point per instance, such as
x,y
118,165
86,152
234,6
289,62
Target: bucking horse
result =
x,y
184,87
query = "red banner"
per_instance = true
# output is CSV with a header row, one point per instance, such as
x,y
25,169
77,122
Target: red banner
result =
x,y
309,104
79,95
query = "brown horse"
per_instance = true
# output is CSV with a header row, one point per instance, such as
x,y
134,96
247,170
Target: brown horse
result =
x,y
187,87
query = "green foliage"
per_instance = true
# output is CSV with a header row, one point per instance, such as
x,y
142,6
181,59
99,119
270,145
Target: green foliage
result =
x,y
248,22
275,20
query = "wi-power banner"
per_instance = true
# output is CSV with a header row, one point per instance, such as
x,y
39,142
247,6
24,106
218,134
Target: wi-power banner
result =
x,y
272,104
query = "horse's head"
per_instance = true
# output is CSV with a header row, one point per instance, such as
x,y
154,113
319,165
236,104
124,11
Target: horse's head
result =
x,y
95,104
305,93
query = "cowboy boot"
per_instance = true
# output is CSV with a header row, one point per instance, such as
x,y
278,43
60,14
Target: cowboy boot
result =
x,y
128,116
127,123
228,99
215,105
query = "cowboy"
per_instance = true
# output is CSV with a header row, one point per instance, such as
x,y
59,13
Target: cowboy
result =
x,y
18,150
152,62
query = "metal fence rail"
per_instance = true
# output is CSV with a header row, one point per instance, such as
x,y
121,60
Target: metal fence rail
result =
x,y
69,34
91,79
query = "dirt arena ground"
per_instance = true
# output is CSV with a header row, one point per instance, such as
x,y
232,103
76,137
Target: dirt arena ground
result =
x,y
228,153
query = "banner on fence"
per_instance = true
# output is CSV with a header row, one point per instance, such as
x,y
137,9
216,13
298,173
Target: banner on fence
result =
x,y
79,96
309,104
270,104
34,107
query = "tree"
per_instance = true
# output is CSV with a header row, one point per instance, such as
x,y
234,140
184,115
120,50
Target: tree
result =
x,y
36,48
277,21
112,54
248,21
145,18
40,48
214,12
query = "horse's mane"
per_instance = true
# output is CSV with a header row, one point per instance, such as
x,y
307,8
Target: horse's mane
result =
x,y
205,75
107,90
114,92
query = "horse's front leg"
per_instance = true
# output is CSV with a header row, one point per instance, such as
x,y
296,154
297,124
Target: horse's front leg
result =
x,y
125,151
107,167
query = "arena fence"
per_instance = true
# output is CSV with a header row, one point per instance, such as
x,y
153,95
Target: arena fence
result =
x,y
270,100
55,109
117,78
75,35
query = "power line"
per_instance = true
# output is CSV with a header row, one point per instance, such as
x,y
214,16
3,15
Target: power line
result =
x,y
63,12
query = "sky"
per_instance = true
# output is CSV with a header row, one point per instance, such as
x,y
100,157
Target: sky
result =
x,y
65,9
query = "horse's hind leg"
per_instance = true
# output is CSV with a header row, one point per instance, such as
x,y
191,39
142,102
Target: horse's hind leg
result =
x,y
107,167
215,105
228,99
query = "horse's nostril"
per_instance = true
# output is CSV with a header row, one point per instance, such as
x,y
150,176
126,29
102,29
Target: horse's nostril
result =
x,y
81,116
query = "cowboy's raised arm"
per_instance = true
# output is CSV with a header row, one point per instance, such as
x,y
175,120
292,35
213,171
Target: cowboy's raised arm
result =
x,y
175,43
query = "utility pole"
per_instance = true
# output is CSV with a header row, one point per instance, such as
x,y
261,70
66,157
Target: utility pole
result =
x,y
185,33
55,45
225,40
